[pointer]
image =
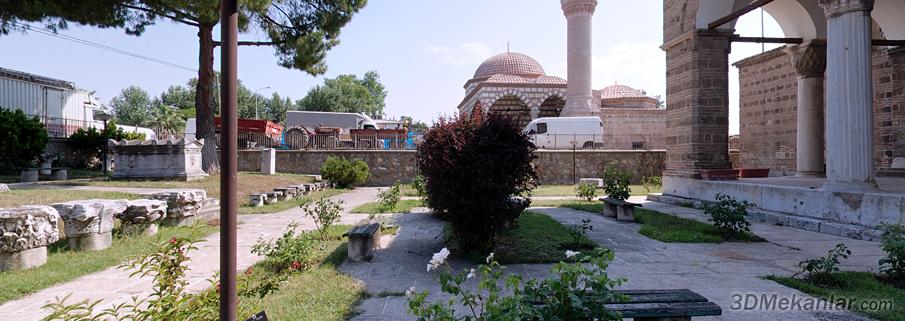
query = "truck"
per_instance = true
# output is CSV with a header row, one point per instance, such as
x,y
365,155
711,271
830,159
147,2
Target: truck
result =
x,y
316,119
565,132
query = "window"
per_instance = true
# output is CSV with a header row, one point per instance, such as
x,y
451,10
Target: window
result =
x,y
541,128
637,145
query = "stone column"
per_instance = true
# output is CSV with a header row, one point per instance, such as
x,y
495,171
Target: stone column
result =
x,y
849,96
268,161
579,15
809,60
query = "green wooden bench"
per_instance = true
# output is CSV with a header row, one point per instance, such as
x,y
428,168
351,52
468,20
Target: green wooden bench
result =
x,y
664,305
621,210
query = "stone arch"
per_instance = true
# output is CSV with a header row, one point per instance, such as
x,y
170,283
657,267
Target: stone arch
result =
x,y
797,18
514,107
509,92
551,105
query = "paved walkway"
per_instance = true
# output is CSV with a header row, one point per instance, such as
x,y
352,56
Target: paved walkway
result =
x,y
115,286
716,271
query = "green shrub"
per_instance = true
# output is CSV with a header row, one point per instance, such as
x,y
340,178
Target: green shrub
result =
x,y
728,214
821,270
616,182
291,251
23,140
420,185
473,165
90,143
324,212
577,291
651,183
388,198
345,173
586,191
893,264
579,232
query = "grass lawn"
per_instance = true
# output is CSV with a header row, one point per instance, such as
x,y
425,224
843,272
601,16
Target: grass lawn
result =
x,y
569,190
285,205
248,183
64,265
50,196
537,239
408,190
592,206
860,286
674,229
404,206
320,294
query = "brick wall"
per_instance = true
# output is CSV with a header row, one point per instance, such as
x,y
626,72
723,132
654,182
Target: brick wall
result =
x,y
387,167
623,126
889,105
768,90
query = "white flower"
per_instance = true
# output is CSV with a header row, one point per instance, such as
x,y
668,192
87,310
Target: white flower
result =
x,y
410,292
489,258
438,259
470,274
570,253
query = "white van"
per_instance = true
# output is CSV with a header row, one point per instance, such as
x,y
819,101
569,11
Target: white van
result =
x,y
565,132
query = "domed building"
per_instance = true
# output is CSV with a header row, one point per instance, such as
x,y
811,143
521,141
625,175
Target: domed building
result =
x,y
516,85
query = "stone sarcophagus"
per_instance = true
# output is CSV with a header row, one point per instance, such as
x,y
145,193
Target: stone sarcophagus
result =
x,y
157,159
25,233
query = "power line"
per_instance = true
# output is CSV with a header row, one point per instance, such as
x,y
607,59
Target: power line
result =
x,y
102,47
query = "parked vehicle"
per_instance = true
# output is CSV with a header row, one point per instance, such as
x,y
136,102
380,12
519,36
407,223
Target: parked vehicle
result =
x,y
315,119
565,132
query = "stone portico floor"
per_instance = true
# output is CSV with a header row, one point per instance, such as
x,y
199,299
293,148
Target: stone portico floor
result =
x,y
716,271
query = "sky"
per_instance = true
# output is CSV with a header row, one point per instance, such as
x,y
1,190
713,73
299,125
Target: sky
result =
x,y
424,50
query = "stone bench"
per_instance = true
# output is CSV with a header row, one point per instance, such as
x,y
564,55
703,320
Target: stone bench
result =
x,y
89,223
182,205
664,305
272,197
283,194
621,210
141,216
257,200
25,233
363,239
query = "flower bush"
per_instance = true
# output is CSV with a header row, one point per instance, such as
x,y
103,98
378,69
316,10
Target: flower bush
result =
x,y
388,198
291,251
324,212
472,166
893,265
345,173
821,270
616,182
576,291
729,215
586,191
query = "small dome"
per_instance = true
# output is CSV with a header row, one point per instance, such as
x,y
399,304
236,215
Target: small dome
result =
x,y
510,63
620,91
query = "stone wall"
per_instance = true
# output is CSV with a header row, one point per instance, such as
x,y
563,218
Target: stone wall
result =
x,y
388,167
768,103
624,126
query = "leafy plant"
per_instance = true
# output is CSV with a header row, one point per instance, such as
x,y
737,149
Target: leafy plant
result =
x,y
472,166
23,139
345,173
576,291
324,212
616,182
729,215
420,185
291,251
586,191
170,299
893,239
821,270
651,183
90,143
579,231
389,198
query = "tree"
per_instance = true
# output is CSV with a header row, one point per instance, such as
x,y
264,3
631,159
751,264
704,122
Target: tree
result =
x,y
277,107
24,139
300,31
132,106
347,93
166,119
179,97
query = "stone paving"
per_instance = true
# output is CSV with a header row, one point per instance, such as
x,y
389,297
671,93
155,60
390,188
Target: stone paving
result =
x,y
716,271
115,286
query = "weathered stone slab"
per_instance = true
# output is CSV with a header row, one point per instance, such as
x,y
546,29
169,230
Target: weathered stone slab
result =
x,y
272,197
4,188
257,200
89,223
181,203
141,216
597,182
29,176
23,260
28,227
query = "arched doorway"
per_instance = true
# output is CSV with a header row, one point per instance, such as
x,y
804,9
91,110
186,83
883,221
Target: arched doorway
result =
x,y
513,107
551,107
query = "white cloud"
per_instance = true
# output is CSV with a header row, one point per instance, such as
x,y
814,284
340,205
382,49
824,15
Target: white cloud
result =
x,y
638,65
469,53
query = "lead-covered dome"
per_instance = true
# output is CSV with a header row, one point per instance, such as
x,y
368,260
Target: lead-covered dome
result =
x,y
510,63
620,91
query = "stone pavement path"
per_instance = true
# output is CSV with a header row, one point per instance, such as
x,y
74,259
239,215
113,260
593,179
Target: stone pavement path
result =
x,y
115,286
716,271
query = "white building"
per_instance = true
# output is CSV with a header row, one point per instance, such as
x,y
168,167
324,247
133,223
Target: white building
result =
x,y
61,106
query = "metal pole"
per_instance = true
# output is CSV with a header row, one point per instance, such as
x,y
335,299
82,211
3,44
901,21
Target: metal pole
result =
x,y
229,146
106,151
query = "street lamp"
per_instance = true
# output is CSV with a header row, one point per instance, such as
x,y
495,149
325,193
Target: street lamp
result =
x,y
256,100
104,117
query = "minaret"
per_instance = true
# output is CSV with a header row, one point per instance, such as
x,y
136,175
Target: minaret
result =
x,y
578,99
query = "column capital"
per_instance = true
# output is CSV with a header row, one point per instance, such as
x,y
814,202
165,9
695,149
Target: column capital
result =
x,y
808,58
572,7
834,8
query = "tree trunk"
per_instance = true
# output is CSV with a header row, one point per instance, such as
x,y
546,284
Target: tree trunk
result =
x,y
204,100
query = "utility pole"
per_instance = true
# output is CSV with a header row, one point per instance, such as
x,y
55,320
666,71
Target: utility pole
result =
x,y
256,100
229,33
